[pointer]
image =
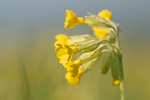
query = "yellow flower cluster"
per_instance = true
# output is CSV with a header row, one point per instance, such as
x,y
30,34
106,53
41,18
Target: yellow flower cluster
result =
x,y
89,49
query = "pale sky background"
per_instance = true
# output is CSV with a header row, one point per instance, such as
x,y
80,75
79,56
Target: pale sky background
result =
x,y
131,14
23,20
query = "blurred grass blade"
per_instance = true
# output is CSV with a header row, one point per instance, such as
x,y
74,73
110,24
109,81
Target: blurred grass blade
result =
x,y
24,81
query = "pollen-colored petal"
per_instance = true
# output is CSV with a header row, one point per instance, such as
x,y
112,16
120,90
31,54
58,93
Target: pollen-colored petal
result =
x,y
72,20
105,14
73,66
64,54
74,49
64,59
61,37
72,80
100,33
64,49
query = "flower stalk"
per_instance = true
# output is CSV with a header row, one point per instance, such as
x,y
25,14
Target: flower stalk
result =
x,y
122,83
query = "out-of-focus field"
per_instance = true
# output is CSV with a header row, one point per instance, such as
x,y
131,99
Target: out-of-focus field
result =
x,y
29,69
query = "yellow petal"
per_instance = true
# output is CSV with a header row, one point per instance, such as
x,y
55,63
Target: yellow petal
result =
x,y
105,14
73,66
72,80
64,59
72,20
100,33
61,37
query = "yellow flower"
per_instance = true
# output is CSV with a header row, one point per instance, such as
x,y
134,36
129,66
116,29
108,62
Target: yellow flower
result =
x,y
64,53
74,80
64,49
105,14
72,20
61,38
102,33
73,66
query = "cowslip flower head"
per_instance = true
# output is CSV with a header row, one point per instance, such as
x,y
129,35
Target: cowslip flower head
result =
x,y
89,49
64,49
72,20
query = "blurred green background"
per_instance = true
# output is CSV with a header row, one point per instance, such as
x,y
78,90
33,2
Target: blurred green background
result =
x,y
29,69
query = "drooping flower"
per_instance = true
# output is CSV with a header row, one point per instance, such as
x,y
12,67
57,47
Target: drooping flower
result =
x,y
61,39
64,53
64,49
105,14
102,33
72,20
73,66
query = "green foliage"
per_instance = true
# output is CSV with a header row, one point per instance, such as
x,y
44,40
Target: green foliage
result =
x,y
106,63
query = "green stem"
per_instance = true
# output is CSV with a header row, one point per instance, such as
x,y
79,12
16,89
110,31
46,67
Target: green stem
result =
x,y
122,85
